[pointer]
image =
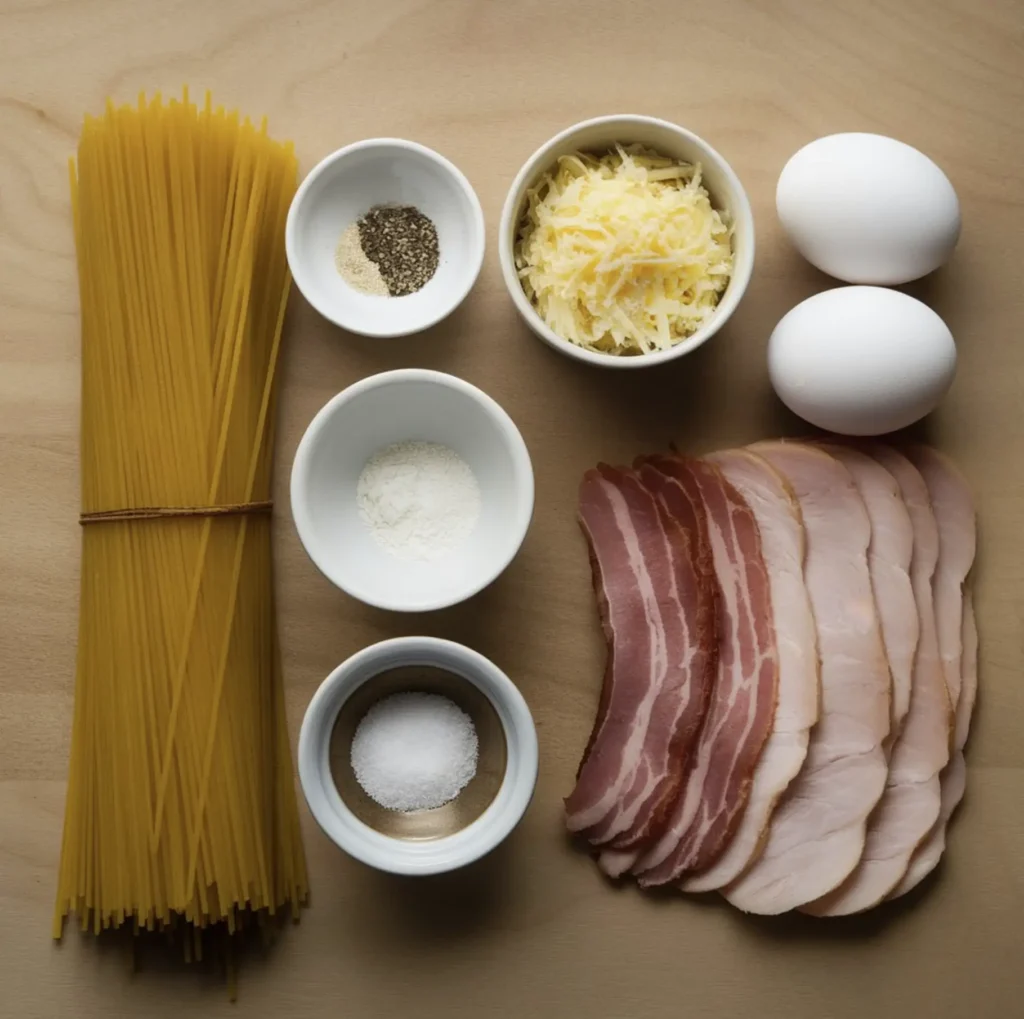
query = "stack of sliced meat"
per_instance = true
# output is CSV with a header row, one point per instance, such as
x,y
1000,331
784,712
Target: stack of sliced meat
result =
x,y
792,667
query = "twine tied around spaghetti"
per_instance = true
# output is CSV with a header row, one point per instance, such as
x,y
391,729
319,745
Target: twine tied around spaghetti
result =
x,y
165,512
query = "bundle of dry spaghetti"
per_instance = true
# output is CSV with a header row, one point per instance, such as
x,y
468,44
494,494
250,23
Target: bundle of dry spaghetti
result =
x,y
181,813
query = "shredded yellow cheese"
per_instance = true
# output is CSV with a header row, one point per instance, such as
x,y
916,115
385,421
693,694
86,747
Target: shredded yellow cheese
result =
x,y
623,253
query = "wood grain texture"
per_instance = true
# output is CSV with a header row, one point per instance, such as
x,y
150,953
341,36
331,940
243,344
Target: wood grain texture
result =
x,y
531,931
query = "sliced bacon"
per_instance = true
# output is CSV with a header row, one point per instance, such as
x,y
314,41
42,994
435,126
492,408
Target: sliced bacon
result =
x,y
743,703
817,832
775,508
644,808
911,802
657,611
679,490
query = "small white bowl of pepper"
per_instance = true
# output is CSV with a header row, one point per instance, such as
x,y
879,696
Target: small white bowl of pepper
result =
x,y
385,237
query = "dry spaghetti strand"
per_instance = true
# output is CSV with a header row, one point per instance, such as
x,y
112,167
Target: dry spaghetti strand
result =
x,y
181,812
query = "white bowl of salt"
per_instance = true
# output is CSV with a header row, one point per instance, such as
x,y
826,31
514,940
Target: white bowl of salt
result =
x,y
412,490
417,756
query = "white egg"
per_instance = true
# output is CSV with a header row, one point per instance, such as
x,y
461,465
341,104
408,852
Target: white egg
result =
x,y
868,209
861,360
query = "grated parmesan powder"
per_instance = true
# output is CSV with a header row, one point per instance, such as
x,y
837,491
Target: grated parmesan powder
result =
x,y
420,500
414,751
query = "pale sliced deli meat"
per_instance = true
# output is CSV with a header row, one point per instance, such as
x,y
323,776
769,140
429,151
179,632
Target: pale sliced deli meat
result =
x,y
742,705
657,612
953,506
817,832
889,558
777,513
910,804
927,855
969,675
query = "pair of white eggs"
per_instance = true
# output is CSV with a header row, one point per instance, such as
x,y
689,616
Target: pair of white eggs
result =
x,y
864,360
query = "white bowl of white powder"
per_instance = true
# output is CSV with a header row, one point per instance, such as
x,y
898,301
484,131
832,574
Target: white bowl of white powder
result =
x,y
412,490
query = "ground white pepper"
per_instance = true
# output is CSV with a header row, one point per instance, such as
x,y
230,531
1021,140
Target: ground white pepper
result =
x,y
355,268
403,244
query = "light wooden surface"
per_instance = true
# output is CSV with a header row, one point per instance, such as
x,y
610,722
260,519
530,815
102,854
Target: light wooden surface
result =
x,y
532,931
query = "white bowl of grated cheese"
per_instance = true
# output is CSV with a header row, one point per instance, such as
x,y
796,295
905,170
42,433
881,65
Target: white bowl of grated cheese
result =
x,y
412,490
633,264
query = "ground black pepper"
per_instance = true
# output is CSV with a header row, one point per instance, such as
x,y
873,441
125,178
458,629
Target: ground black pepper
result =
x,y
402,242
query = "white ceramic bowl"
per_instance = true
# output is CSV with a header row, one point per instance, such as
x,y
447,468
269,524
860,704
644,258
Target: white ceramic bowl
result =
x,y
402,856
347,184
600,134
426,406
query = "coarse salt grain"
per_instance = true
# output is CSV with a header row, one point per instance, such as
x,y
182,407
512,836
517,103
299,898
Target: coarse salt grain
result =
x,y
414,751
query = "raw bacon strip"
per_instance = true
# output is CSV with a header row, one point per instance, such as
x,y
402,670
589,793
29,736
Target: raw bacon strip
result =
x,y
681,704
680,498
632,551
816,834
954,513
658,621
743,703
680,491
910,804
782,542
